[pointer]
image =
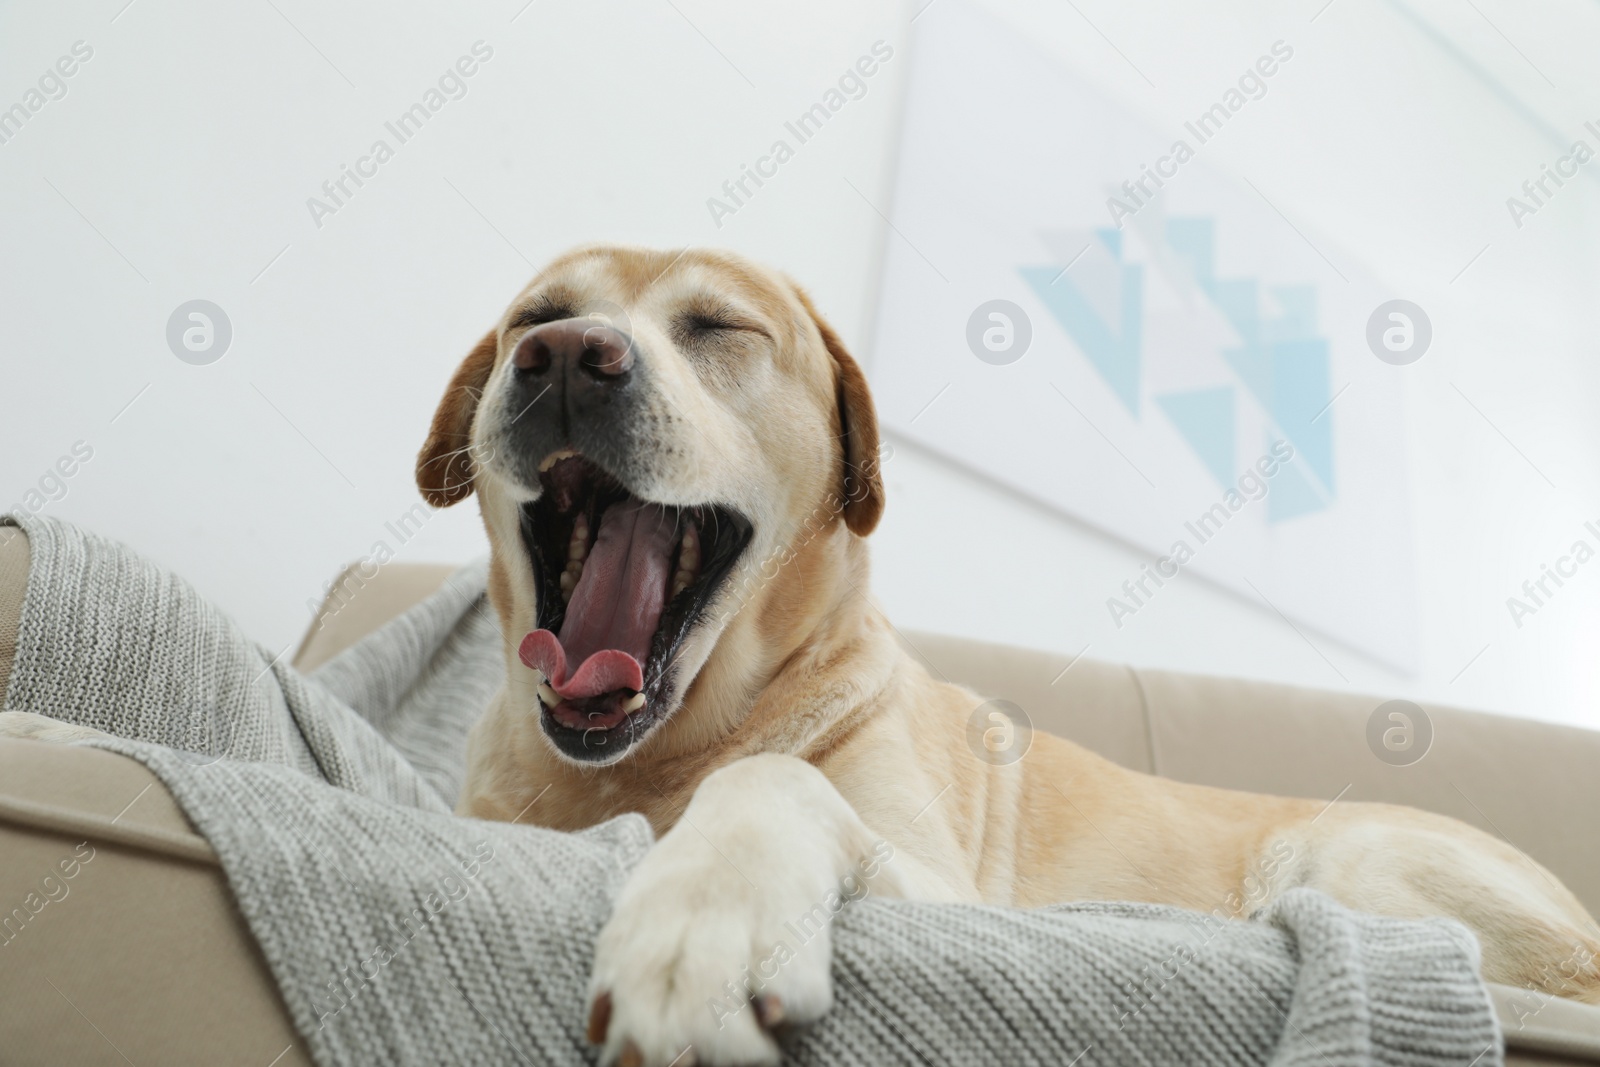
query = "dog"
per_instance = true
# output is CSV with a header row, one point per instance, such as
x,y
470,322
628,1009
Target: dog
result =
x,y
677,464
676,461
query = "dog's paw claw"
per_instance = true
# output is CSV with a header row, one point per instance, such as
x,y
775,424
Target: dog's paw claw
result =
x,y
599,1019
769,1010
698,966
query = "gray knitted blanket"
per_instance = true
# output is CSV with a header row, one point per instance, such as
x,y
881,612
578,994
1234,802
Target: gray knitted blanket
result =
x,y
402,934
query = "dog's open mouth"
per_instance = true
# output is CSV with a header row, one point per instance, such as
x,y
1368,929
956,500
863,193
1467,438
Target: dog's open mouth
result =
x,y
622,582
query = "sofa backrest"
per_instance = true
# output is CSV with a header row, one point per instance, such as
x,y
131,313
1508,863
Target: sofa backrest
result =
x,y
1536,785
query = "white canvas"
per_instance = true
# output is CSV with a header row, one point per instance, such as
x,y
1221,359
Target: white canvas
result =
x,y
1182,342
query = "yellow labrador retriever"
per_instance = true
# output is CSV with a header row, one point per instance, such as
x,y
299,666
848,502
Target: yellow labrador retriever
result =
x,y
677,464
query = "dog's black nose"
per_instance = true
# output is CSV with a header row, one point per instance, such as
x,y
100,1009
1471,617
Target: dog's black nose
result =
x,y
604,353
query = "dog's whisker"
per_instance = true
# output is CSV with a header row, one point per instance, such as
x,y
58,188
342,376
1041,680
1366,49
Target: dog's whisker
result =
x,y
460,451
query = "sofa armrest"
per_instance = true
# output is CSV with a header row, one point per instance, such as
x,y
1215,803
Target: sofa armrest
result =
x,y
120,939
357,604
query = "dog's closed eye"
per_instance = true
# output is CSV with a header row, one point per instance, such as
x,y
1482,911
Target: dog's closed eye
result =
x,y
545,309
713,323
702,322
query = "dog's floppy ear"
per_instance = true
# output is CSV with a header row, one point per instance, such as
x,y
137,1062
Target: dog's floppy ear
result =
x,y
858,423
445,466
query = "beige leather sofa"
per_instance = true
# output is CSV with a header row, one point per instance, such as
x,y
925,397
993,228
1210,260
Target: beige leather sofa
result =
x,y
139,956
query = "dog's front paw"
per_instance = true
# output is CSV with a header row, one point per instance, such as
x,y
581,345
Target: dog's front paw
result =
x,y
722,935
27,726
699,966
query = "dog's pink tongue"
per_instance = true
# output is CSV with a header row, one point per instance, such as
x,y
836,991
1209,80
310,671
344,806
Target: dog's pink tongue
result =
x,y
614,609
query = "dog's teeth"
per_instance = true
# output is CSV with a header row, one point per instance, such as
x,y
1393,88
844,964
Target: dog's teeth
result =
x,y
555,457
578,546
688,560
569,578
689,551
633,703
548,697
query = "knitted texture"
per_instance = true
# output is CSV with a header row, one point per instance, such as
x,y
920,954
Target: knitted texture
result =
x,y
399,933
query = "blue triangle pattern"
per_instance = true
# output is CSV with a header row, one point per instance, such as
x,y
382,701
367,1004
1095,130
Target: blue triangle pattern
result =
x,y
1113,349
1239,301
1253,365
1291,494
1299,303
1205,419
1300,400
1194,240
1283,361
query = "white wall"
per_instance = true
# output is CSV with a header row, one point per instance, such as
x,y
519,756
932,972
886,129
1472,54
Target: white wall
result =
x,y
179,163
190,143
